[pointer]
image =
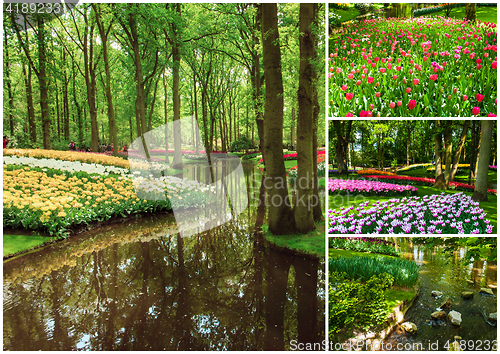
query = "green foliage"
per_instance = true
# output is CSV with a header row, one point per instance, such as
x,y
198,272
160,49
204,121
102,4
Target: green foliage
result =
x,y
363,7
477,247
362,246
250,156
405,272
334,19
353,303
242,143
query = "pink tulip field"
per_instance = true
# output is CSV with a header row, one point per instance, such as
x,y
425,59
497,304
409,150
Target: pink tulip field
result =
x,y
413,67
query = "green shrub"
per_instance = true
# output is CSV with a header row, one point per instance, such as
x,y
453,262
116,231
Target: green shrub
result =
x,y
369,245
405,272
240,144
352,303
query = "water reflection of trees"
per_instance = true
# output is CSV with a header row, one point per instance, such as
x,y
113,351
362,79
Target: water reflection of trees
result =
x,y
216,290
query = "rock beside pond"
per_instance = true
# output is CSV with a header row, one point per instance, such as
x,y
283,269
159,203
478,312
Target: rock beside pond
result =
x,y
492,317
438,314
409,327
467,295
446,304
486,291
455,318
436,293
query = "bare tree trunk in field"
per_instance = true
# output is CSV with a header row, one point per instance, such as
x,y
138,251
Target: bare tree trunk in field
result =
x,y
44,83
461,142
448,148
470,12
176,57
111,112
280,217
480,188
438,138
29,101
303,211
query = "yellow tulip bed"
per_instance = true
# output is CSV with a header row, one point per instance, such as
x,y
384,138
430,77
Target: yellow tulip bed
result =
x,y
374,172
461,166
86,157
52,200
39,201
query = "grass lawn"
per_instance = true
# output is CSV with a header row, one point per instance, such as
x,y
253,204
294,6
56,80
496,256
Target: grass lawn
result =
x,y
347,15
332,253
311,243
14,244
483,13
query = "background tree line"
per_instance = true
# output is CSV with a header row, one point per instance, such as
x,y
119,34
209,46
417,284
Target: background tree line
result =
x,y
107,73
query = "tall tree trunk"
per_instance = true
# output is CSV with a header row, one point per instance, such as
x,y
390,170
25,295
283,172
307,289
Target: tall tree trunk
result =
x,y
480,188
438,138
44,83
342,142
90,81
79,118
257,83
280,218
448,149
303,211
165,110
470,12
65,101
461,142
29,102
408,132
9,85
292,130
176,57
472,157
111,112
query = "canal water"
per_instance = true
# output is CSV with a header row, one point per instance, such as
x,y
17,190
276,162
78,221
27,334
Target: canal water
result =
x,y
451,277
139,285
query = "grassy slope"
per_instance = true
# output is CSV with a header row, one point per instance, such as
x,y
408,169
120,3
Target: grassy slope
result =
x,y
311,243
394,296
14,244
490,207
483,13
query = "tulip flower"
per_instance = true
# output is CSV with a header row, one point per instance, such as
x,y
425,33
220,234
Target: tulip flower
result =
x,y
491,114
479,97
400,103
377,94
370,80
433,77
349,96
412,104
408,90
344,87
416,81
475,110
349,114
392,105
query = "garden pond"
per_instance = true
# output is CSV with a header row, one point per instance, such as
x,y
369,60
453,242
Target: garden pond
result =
x,y
138,285
451,277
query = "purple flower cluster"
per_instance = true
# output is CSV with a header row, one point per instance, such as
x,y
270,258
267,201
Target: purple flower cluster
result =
x,y
367,187
435,214
337,171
